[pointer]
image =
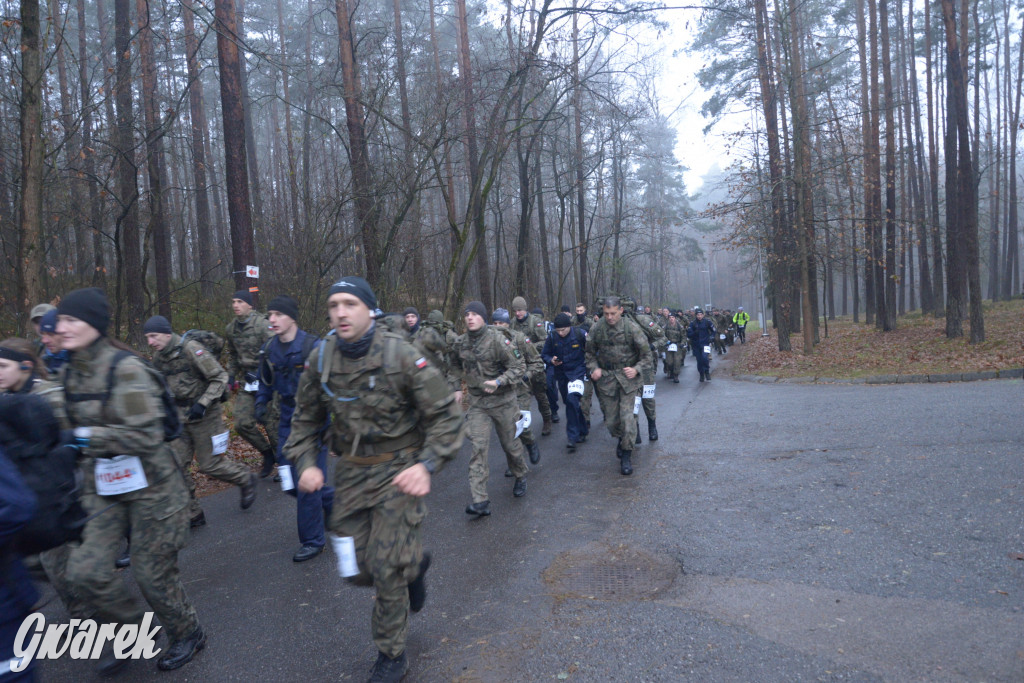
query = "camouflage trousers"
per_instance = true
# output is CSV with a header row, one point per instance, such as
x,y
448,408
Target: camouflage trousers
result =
x,y
648,403
587,401
673,362
385,527
159,529
249,429
539,387
478,424
197,439
617,406
55,564
523,397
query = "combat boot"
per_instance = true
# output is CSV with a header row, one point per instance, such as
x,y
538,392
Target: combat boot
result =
x,y
481,509
249,492
519,488
638,439
707,376
198,521
546,429
652,431
182,651
701,376
268,463
534,454
387,669
625,463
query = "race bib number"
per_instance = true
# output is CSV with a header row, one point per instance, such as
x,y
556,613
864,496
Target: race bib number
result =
x,y
636,406
220,443
576,386
120,474
524,421
285,472
252,386
672,348
649,390
722,337
707,349
345,549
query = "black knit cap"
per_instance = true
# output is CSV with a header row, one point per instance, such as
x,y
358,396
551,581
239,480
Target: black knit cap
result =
x,y
563,320
356,286
159,324
478,308
284,304
566,309
243,295
411,311
89,305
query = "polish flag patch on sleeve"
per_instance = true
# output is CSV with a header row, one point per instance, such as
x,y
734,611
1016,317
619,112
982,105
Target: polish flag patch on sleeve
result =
x,y
421,363
199,352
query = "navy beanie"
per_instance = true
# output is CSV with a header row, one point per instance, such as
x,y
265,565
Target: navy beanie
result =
x,y
157,323
284,304
500,315
48,323
563,320
89,305
411,311
356,286
478,308
243,295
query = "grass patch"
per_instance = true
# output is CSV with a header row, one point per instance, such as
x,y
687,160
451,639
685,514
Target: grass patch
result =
x,y
918,345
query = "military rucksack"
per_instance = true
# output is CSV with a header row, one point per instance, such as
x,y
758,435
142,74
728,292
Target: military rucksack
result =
x,y
211,341
172,422
652,330
31,437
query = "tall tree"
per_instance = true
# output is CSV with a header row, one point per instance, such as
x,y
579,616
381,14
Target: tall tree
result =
x,y
197,126
30,234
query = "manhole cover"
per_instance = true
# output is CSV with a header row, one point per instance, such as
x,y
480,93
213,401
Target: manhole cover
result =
x,y
602,572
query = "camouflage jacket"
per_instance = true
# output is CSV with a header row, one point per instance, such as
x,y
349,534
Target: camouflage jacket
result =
x,y
532,326
435,347
129,422
390,400
654,333
531,355
193,374
614,348
53,394
675,334
489,355
243,339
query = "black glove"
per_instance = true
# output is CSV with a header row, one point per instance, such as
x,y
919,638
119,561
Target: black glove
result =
x,y
260,413
250,377
197,412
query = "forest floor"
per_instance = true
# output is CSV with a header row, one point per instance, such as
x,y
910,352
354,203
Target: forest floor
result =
x,y
918,345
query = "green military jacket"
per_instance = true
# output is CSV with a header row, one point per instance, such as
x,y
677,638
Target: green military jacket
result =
x,y
489,355
614,348
193,374
244,337
390,400
651,324
532,326
675,334
129,422
53,394
531,355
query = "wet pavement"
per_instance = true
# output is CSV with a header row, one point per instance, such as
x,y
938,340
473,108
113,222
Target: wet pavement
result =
x,y
774,533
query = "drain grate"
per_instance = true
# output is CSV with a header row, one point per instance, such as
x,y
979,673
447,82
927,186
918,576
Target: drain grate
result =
x,y
600,572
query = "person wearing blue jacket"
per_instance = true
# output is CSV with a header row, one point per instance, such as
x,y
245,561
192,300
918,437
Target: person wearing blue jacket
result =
x,y
282,360
701,333
17,594
564,351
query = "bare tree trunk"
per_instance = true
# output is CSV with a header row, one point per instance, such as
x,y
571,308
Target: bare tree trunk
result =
x,y
251,150
1011,281
99,270
242,250
916,166
577,108
366,211
292,171
30,234
889,314
154,161
939,295
542,226
197,109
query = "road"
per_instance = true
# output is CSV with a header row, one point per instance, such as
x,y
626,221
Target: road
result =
x,y
774,533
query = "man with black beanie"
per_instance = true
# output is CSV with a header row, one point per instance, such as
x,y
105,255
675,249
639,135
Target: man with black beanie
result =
x,y
244,337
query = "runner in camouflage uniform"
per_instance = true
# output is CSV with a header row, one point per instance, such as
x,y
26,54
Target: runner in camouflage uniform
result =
x,y
534,365
617,354
532,327
393,422
244,336
492,367
127,421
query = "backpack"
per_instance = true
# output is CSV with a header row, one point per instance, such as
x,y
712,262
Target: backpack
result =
x,y
652,330
47,461
172,422
211,341
390,365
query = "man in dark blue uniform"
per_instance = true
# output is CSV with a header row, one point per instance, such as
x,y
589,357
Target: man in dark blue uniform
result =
x,y
17,594
282,360
701,333
564,351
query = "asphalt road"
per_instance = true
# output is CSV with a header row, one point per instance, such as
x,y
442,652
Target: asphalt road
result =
x,y
774,533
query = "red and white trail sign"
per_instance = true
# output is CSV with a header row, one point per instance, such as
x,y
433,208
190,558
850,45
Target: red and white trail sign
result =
x,y
252,271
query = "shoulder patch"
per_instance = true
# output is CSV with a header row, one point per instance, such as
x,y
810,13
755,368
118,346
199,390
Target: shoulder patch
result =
x,y
507,342
650,324
199,352
421,363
